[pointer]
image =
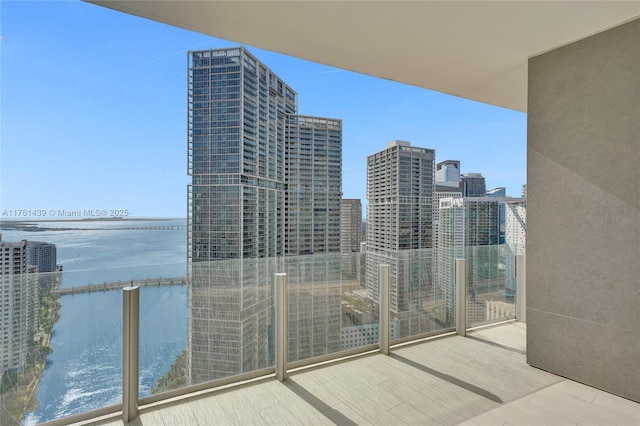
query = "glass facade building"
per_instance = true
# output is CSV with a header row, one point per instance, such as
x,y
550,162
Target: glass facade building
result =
x,y
313,185
473,185
265,183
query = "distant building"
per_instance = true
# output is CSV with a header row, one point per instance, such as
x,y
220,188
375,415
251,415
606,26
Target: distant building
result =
x,y
400,190
448,173
14,258
350,236
500,192
440,193
524,190
465,225
312,185
42,255
350,225
17,306
473,185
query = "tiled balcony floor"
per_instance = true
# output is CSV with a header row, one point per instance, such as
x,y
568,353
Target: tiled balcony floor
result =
x,y
482,379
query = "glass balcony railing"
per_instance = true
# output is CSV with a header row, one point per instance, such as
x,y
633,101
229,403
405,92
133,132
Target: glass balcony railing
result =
x,y
491,285
216,322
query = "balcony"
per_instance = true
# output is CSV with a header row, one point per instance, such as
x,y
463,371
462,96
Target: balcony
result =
x,y
480,379
331,368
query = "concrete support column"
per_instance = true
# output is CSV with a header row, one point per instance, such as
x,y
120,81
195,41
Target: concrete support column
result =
x,y
583,211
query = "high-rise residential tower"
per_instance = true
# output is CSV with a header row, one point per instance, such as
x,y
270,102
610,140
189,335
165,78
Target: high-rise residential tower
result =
x,y
400,188
237,112
266,182
442,191
17,304
43,255
313,185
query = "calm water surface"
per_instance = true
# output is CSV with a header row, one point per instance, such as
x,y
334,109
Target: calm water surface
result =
x,y
85,368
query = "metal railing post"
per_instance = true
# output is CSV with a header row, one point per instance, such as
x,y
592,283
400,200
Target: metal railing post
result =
x,y
461,296
130,351
521,288
282,346
384,306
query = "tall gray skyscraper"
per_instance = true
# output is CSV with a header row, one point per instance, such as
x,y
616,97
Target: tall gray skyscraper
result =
x,y
400,189
473,185
313,185
237,111
265,182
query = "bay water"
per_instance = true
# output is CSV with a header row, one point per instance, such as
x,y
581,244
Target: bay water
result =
x,y
84,371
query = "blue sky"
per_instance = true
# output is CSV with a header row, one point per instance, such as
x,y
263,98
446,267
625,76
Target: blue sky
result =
x,y
93,113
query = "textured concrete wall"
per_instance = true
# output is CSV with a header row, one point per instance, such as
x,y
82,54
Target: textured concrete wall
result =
x,y
583,236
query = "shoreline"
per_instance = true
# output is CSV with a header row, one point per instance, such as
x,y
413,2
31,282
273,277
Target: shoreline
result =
x,y
22,399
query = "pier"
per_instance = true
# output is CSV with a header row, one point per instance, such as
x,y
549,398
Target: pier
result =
x,y
148,282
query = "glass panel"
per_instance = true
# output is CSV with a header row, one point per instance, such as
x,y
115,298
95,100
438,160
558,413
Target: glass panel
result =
x,y
328,308
418,303
163,334
231,323
76,339
491,284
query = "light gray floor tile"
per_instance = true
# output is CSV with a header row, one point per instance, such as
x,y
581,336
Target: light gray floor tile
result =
x,y
208,411
617,404
482,380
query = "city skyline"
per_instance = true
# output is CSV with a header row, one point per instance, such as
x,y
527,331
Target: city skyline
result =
x,y
110,124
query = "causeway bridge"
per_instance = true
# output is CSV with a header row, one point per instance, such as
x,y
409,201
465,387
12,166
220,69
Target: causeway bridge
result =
x,y
148,282
149,228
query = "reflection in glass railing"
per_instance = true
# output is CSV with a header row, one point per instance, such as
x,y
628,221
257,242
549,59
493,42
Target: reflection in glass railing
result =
x,y
328,308
61,346
27,315
218,320
491,284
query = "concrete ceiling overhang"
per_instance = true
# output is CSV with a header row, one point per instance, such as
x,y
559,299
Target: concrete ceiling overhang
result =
x,y
473,49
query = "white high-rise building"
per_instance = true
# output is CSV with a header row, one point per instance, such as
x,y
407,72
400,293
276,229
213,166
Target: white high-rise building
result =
x,y
440,193
466,224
